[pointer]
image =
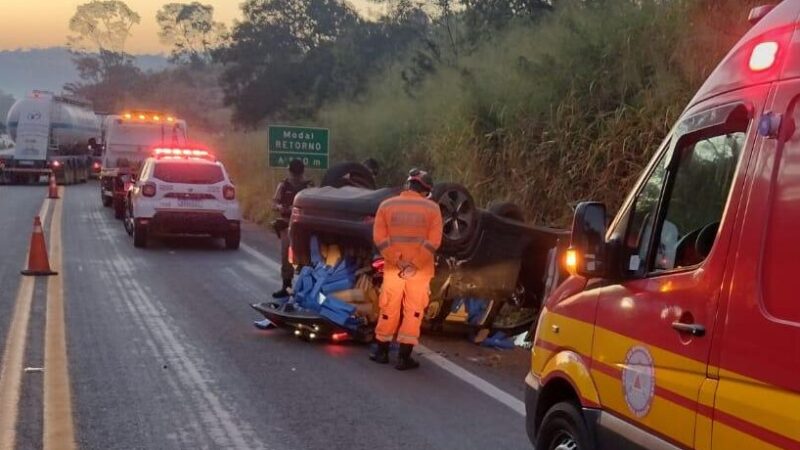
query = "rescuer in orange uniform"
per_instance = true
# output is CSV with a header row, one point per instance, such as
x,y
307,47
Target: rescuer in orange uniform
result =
x,y
407,232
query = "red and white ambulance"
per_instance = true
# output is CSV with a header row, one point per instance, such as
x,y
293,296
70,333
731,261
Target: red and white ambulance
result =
x,y
680,327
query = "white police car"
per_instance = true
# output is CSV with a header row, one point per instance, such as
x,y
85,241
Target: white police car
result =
x,y
182,191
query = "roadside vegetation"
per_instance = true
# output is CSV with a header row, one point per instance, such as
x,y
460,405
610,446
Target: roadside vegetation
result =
x,y
543,103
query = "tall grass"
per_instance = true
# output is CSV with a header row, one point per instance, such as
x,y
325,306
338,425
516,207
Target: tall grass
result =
x,y
544,115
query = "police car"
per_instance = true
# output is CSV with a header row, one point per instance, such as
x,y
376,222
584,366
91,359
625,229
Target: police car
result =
x,y
182,191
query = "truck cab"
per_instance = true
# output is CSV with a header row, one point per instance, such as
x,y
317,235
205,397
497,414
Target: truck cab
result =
x,y
679,327
127,141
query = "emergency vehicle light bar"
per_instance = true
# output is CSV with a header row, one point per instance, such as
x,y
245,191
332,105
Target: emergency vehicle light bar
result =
x,y
143,116
182,153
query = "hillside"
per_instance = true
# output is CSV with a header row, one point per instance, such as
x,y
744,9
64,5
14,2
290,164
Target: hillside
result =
x,y
50,68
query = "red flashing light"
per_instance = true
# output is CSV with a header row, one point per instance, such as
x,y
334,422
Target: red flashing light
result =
x,y
182,153
96,165
764,56
340,337
56,164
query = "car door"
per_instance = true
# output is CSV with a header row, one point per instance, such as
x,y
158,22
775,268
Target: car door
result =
x,y
758,397
653,330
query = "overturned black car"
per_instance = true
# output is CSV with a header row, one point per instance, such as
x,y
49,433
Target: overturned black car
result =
x,y
488,254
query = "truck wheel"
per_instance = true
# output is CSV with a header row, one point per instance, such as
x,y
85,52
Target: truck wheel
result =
x,y
563,428
507,210
232,240
139,236
119,208
459,214
349,174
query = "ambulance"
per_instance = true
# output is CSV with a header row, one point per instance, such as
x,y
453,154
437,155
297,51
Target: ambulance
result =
x,y
680,326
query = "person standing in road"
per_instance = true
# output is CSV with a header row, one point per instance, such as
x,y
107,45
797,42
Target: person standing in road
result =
x,y
282,204
407,232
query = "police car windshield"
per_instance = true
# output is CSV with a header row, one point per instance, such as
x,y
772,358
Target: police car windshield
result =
x,y
188,173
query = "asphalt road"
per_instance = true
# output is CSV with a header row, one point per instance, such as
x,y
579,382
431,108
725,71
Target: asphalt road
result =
x,y
161,353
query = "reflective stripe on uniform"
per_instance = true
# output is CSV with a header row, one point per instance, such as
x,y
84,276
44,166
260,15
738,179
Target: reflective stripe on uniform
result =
x,y
407,239
428,246
383,245
411,202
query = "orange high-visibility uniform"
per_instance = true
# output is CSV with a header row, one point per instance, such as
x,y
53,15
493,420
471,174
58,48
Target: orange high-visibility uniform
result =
x,y
408,228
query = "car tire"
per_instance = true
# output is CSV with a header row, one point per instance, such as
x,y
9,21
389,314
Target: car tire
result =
x,y
139,235
563,427
459,214
349,174
119,208
106,200
507,210
233,239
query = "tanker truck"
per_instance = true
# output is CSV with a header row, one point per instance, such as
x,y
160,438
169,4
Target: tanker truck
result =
x,y
53,134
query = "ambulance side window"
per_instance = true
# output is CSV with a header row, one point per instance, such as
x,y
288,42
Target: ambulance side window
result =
x,y
683,199
697,198
640,222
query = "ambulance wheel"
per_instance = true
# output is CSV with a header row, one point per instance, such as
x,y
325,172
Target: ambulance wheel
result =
x,y
563,428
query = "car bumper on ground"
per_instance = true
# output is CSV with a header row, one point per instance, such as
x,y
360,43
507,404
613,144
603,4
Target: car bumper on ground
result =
x,y
532,388
179,222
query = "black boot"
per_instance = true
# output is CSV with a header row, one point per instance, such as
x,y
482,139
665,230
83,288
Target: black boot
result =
x,y
283,293
404,359
381,353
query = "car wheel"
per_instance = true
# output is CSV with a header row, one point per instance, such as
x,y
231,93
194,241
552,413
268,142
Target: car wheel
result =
x,y
507,210
119,208
106,200
128,221
459,214
232,240
349,174
139,235
563,428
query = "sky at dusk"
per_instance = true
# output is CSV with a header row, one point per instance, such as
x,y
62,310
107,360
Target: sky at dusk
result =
x,y
44,23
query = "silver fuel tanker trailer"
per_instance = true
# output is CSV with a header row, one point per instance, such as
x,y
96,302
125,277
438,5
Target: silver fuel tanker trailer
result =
x,y
52,134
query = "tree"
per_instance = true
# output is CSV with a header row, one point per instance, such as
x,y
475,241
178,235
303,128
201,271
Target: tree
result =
x,y
100,30
279,53
190,30
102,25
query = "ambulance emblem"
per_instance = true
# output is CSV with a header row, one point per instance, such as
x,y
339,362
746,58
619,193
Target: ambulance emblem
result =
x,y
638,380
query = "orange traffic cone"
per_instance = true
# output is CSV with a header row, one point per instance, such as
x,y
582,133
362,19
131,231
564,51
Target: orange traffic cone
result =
x,y
53,191
38,264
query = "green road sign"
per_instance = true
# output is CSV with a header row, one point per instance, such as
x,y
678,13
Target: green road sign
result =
x,y
310,145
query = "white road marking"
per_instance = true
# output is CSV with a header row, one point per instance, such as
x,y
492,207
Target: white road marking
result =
x,y
269,262
473,380
189,378
454,369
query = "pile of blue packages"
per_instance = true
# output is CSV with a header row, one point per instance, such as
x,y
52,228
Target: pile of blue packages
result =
x,y
315,288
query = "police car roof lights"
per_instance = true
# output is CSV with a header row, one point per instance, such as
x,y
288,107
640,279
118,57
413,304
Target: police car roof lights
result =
x,y
183,153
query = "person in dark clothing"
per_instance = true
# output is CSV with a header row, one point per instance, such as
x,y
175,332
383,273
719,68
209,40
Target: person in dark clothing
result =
x,y
282,204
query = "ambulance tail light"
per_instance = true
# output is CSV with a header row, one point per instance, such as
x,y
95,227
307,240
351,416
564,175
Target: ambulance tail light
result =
x,y
764,56
149,190
229,192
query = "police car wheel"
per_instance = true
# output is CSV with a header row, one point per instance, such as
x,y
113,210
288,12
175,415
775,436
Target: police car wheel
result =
x,y
139,236
563,428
